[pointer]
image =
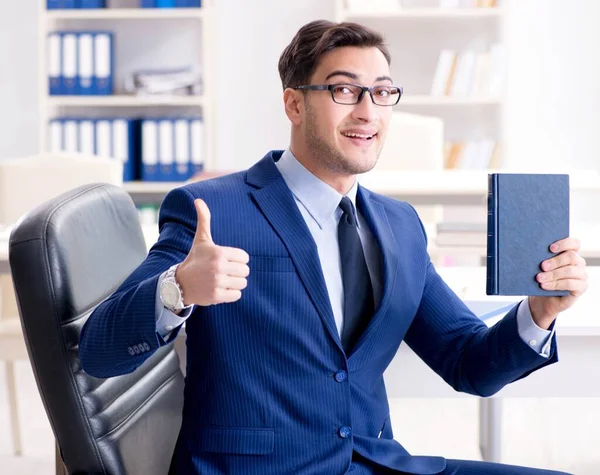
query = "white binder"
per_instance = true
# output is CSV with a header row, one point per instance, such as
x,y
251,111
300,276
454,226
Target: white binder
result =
x,y
54,62
103,138
149,150
86,137
55,136
86,62
197,139
182,148
71,144
166,149
69,63
102,62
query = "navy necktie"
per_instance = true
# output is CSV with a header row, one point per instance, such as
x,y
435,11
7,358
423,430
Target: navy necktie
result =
x,y
358,292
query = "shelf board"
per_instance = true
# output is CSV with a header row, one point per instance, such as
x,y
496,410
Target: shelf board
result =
x,y
428,100
455,182
150,187
426,13
410,183
126,14
124,101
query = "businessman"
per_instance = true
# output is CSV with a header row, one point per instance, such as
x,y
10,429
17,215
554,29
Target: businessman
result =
x,y
298,285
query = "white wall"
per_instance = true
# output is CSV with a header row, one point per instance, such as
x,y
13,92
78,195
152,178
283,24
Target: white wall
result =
x,y
552,113
18,78
251,36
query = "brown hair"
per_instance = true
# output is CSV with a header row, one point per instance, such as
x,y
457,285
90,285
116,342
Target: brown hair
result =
x,y
317,38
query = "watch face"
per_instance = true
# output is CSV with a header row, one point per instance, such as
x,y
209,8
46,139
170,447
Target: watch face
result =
x,y
169,294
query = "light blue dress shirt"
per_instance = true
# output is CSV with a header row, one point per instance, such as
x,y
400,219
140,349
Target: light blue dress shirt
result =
x,y
319,205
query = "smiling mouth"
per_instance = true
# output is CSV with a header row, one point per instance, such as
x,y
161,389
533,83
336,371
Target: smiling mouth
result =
x,y
352,135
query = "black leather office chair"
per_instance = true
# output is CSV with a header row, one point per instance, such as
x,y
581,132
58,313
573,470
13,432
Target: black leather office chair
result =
x,y
66,256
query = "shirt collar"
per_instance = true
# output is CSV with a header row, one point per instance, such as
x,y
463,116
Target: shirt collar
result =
x,y
320,200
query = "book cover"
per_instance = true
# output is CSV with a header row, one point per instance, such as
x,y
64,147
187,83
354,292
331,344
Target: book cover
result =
x,y
526,213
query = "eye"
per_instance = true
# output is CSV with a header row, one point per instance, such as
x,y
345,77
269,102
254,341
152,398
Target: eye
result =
x,y
342,90
382,91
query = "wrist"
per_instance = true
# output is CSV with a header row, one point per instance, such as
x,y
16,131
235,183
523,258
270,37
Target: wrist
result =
x,y
180,279
538,314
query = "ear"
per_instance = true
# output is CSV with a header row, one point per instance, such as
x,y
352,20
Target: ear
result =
x,y
294,105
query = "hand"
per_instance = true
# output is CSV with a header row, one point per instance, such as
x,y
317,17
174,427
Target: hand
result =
x,y
211,274
565,271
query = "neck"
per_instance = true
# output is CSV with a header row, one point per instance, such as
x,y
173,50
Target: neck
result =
x,y
340,182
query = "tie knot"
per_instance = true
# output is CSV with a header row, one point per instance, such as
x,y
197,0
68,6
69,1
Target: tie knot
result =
x,y
348,210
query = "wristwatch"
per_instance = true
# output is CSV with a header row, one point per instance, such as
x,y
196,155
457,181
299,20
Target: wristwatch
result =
x,y
171,294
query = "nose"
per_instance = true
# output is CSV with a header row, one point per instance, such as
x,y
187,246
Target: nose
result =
x,y
365,111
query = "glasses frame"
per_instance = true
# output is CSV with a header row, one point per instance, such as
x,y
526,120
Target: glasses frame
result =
x,y
330,87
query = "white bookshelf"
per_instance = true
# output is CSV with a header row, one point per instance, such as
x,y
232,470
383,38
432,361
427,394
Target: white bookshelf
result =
x,y
143,37
125,101
126,14
425,13
429,100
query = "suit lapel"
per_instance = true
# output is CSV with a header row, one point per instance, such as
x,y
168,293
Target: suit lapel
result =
x,y
277,203
378,223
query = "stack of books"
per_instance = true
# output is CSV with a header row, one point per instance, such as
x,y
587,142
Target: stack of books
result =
x,y
470,74
482,154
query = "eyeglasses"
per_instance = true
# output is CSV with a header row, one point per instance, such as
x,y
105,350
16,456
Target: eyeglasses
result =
x,y
350,94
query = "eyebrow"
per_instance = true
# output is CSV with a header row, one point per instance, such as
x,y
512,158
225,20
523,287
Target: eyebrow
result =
x,y
354,76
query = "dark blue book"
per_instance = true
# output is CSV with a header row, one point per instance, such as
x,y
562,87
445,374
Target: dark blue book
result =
x,y
526,214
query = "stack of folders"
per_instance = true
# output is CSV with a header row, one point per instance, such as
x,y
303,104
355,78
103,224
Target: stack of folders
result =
x,y
68,4
172,149
151,149
81,63
170,3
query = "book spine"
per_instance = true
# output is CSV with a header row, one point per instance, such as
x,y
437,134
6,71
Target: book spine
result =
x,y
492,236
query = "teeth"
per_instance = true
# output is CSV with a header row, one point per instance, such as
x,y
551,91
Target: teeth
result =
x,y
360,136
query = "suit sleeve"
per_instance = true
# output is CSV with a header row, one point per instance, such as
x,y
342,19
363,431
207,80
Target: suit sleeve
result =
x,y
121,334
459,347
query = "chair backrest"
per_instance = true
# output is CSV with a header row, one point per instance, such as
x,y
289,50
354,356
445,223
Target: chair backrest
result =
x,y
66,256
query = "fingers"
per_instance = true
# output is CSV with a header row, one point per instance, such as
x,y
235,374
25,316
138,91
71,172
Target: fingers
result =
x,y
233,254
575,286
228,296
568,272
203,224
567,258
235,269
232,283
566,244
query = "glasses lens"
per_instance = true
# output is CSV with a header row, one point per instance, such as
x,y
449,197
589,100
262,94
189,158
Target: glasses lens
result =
x,y
386,95
346,93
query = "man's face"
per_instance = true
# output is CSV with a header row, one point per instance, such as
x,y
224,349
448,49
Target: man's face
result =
x,y
347,139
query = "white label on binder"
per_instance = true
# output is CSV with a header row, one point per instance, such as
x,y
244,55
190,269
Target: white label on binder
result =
x,y
149,142
69,56
182,142
71,136
197,134
166,142
86,59
54,66
120,137
103,138
86,137
55,136
102,59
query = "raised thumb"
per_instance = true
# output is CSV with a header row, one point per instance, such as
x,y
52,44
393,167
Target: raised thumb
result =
x,y
203,226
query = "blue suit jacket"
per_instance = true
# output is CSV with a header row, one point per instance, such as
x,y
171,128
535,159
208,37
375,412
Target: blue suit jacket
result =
x,y
261,395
